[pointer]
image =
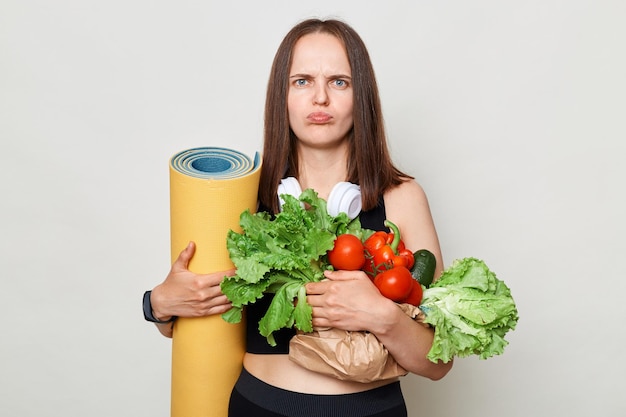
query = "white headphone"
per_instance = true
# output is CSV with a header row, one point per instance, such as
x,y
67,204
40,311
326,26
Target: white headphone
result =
x,y
345,197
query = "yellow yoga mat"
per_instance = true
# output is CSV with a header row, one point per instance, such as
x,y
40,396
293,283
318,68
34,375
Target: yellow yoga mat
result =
x,y
209,188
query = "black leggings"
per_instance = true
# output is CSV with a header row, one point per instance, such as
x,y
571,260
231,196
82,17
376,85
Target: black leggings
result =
x,y
252,397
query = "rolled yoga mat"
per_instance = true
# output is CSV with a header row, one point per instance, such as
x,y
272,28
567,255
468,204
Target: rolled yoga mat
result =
x,y
209,188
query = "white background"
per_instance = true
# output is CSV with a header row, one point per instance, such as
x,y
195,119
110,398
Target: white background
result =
x,y
511,115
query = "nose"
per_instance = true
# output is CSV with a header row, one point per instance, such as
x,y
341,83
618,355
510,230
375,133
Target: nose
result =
x,y
321,95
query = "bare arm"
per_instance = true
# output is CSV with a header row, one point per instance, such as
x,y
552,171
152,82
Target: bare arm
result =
x,y
187,294
350,301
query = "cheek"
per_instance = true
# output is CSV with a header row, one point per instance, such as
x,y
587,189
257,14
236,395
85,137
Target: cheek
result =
x,y
347,117
292,110
294,106
346,107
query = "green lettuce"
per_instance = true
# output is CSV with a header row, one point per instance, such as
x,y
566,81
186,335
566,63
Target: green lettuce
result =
x,y
471,311
279,255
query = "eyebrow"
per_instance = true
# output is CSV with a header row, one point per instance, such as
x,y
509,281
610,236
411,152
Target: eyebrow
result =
x,y
332,77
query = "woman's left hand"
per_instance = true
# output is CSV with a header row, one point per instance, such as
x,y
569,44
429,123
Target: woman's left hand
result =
x,y
346,300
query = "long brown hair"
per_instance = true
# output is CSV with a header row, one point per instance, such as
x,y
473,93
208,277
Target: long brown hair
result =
x,y
370,164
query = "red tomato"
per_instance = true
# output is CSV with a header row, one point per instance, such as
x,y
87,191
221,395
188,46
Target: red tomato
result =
x,y
395,283
348,253
416,294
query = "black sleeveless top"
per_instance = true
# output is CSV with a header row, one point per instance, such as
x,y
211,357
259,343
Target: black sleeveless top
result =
x,y
373,220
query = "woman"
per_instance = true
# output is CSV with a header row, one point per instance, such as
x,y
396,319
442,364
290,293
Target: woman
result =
x,y
323,125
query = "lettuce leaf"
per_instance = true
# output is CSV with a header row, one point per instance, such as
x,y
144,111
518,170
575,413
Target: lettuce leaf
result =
x,y
279,255
471,311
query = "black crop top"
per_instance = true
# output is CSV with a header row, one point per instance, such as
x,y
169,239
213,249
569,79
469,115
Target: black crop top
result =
x,y
373,220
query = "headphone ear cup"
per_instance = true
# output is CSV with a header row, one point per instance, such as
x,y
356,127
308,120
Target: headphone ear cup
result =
x,y
290,186
345,197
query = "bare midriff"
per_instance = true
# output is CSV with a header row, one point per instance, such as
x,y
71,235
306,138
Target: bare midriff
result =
x,y
281,372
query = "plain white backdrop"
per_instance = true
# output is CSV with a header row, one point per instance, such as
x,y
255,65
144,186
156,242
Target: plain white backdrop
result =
x,y
510,114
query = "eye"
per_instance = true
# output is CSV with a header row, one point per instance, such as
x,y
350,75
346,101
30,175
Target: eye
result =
x,y
300,82
340,83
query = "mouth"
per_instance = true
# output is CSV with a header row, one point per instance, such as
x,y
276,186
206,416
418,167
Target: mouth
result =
x,y
319,117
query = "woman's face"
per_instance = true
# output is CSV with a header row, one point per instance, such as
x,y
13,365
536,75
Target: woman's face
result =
x,y
320,98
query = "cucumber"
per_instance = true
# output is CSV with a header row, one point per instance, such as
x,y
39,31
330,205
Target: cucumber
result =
x,y
424,268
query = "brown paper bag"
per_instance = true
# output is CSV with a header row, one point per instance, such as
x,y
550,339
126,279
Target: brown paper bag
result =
x,y
347,355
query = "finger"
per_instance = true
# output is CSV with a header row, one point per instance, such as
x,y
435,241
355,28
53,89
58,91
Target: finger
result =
x,y
182,262
213,279
320,322
217,301
209,310
229,273
316,287
314,300
343,275
222,308
216,305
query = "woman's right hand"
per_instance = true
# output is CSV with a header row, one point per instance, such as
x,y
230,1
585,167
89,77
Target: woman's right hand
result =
x,y
187,294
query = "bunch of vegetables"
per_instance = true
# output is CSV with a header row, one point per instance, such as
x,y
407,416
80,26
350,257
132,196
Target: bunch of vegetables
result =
x,y
390,265
469,308
280,255
471,311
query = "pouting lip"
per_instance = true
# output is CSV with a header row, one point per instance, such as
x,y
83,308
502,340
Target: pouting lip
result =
x,y
319,117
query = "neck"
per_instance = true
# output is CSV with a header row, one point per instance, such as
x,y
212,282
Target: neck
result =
x,y
322,169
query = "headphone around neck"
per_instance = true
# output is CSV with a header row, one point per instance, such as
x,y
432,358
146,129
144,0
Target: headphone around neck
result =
x,y
345,197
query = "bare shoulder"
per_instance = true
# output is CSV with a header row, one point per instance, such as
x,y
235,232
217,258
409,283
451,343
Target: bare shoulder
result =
x,y
408,193
407,205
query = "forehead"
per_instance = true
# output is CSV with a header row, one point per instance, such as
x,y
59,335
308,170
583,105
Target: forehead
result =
x,y
320,51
